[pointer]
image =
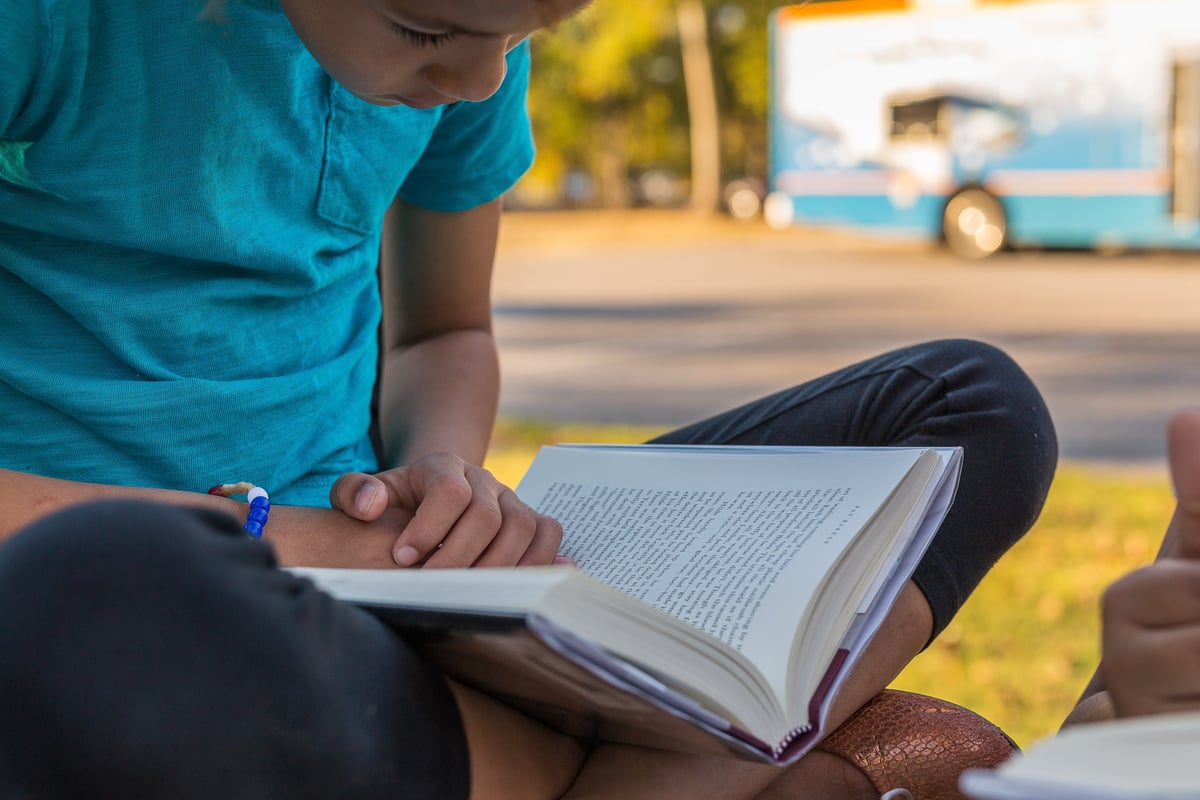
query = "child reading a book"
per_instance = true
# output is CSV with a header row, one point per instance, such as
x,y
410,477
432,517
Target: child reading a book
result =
x,y
1151,617
191,207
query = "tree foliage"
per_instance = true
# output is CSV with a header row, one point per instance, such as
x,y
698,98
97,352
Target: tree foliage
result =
x,y
609,102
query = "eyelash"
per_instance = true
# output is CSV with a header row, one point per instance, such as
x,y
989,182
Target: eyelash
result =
x,y
420,38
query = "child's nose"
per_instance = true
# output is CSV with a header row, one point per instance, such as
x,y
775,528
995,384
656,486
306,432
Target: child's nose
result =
x,y
474,81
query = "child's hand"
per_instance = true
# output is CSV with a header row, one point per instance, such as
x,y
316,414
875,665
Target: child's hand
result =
x,y
1151,637
461,515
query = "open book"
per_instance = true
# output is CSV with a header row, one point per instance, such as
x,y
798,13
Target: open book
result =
x,y
721,595
1144,758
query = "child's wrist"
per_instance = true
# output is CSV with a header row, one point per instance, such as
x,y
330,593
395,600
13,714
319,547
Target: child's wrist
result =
x,y
257,506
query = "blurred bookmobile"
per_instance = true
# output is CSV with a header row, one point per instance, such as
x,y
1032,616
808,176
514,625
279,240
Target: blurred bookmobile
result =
x,y
986,123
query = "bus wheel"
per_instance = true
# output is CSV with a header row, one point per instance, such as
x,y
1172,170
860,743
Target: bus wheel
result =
x,y
973,223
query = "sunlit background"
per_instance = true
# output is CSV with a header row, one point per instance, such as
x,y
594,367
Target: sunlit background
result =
x,y
731,196
983,123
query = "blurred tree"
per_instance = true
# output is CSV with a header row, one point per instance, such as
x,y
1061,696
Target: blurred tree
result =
x,y
704,118
595,102
626,86
740,54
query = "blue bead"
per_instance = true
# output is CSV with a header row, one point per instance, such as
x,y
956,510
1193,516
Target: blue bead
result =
x,y
256,518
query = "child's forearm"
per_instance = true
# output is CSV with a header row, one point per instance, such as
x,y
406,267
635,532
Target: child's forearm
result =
x,y
440,395
441,375
26,497
301,536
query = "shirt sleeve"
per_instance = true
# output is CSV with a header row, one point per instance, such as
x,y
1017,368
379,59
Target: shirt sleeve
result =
x,y
479,150
26,39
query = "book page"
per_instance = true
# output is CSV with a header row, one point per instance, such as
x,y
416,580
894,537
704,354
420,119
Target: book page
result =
x,y
625,537
733,543
1144,758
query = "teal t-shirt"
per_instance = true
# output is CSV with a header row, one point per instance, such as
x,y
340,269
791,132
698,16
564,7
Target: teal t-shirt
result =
x,y
189,234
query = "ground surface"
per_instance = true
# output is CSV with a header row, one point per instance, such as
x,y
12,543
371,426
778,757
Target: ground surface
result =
x,y
659,318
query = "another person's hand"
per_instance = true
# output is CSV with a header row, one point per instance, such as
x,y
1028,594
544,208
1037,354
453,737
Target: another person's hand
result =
x,y
1151,622
461,515
1151,640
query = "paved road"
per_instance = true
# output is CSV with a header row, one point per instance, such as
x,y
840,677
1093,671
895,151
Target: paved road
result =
x,y
658,319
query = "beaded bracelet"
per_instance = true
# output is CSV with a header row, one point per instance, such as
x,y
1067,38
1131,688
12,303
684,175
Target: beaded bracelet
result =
x,y
260,504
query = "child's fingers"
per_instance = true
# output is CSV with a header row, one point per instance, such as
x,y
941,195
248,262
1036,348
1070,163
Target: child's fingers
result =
x,y
1162,678
1151,638
447,502
493,519
1153,671
518,530
1183,455
359,496
1162,595
544,547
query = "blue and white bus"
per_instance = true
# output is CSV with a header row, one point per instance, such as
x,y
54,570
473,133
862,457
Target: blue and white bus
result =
x,y
985,123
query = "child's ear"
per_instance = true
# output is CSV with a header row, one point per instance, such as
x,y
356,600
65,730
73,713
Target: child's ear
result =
x,y
1183,456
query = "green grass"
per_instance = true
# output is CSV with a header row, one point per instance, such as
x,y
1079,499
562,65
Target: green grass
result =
x,y
1025,644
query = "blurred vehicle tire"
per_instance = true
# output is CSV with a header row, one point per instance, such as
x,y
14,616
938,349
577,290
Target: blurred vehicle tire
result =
x,y
974,224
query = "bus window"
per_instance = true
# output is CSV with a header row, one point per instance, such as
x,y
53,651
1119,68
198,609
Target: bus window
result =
x,y
918,120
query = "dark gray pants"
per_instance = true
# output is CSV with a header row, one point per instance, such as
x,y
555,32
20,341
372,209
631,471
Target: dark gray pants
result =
x,y
156,652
